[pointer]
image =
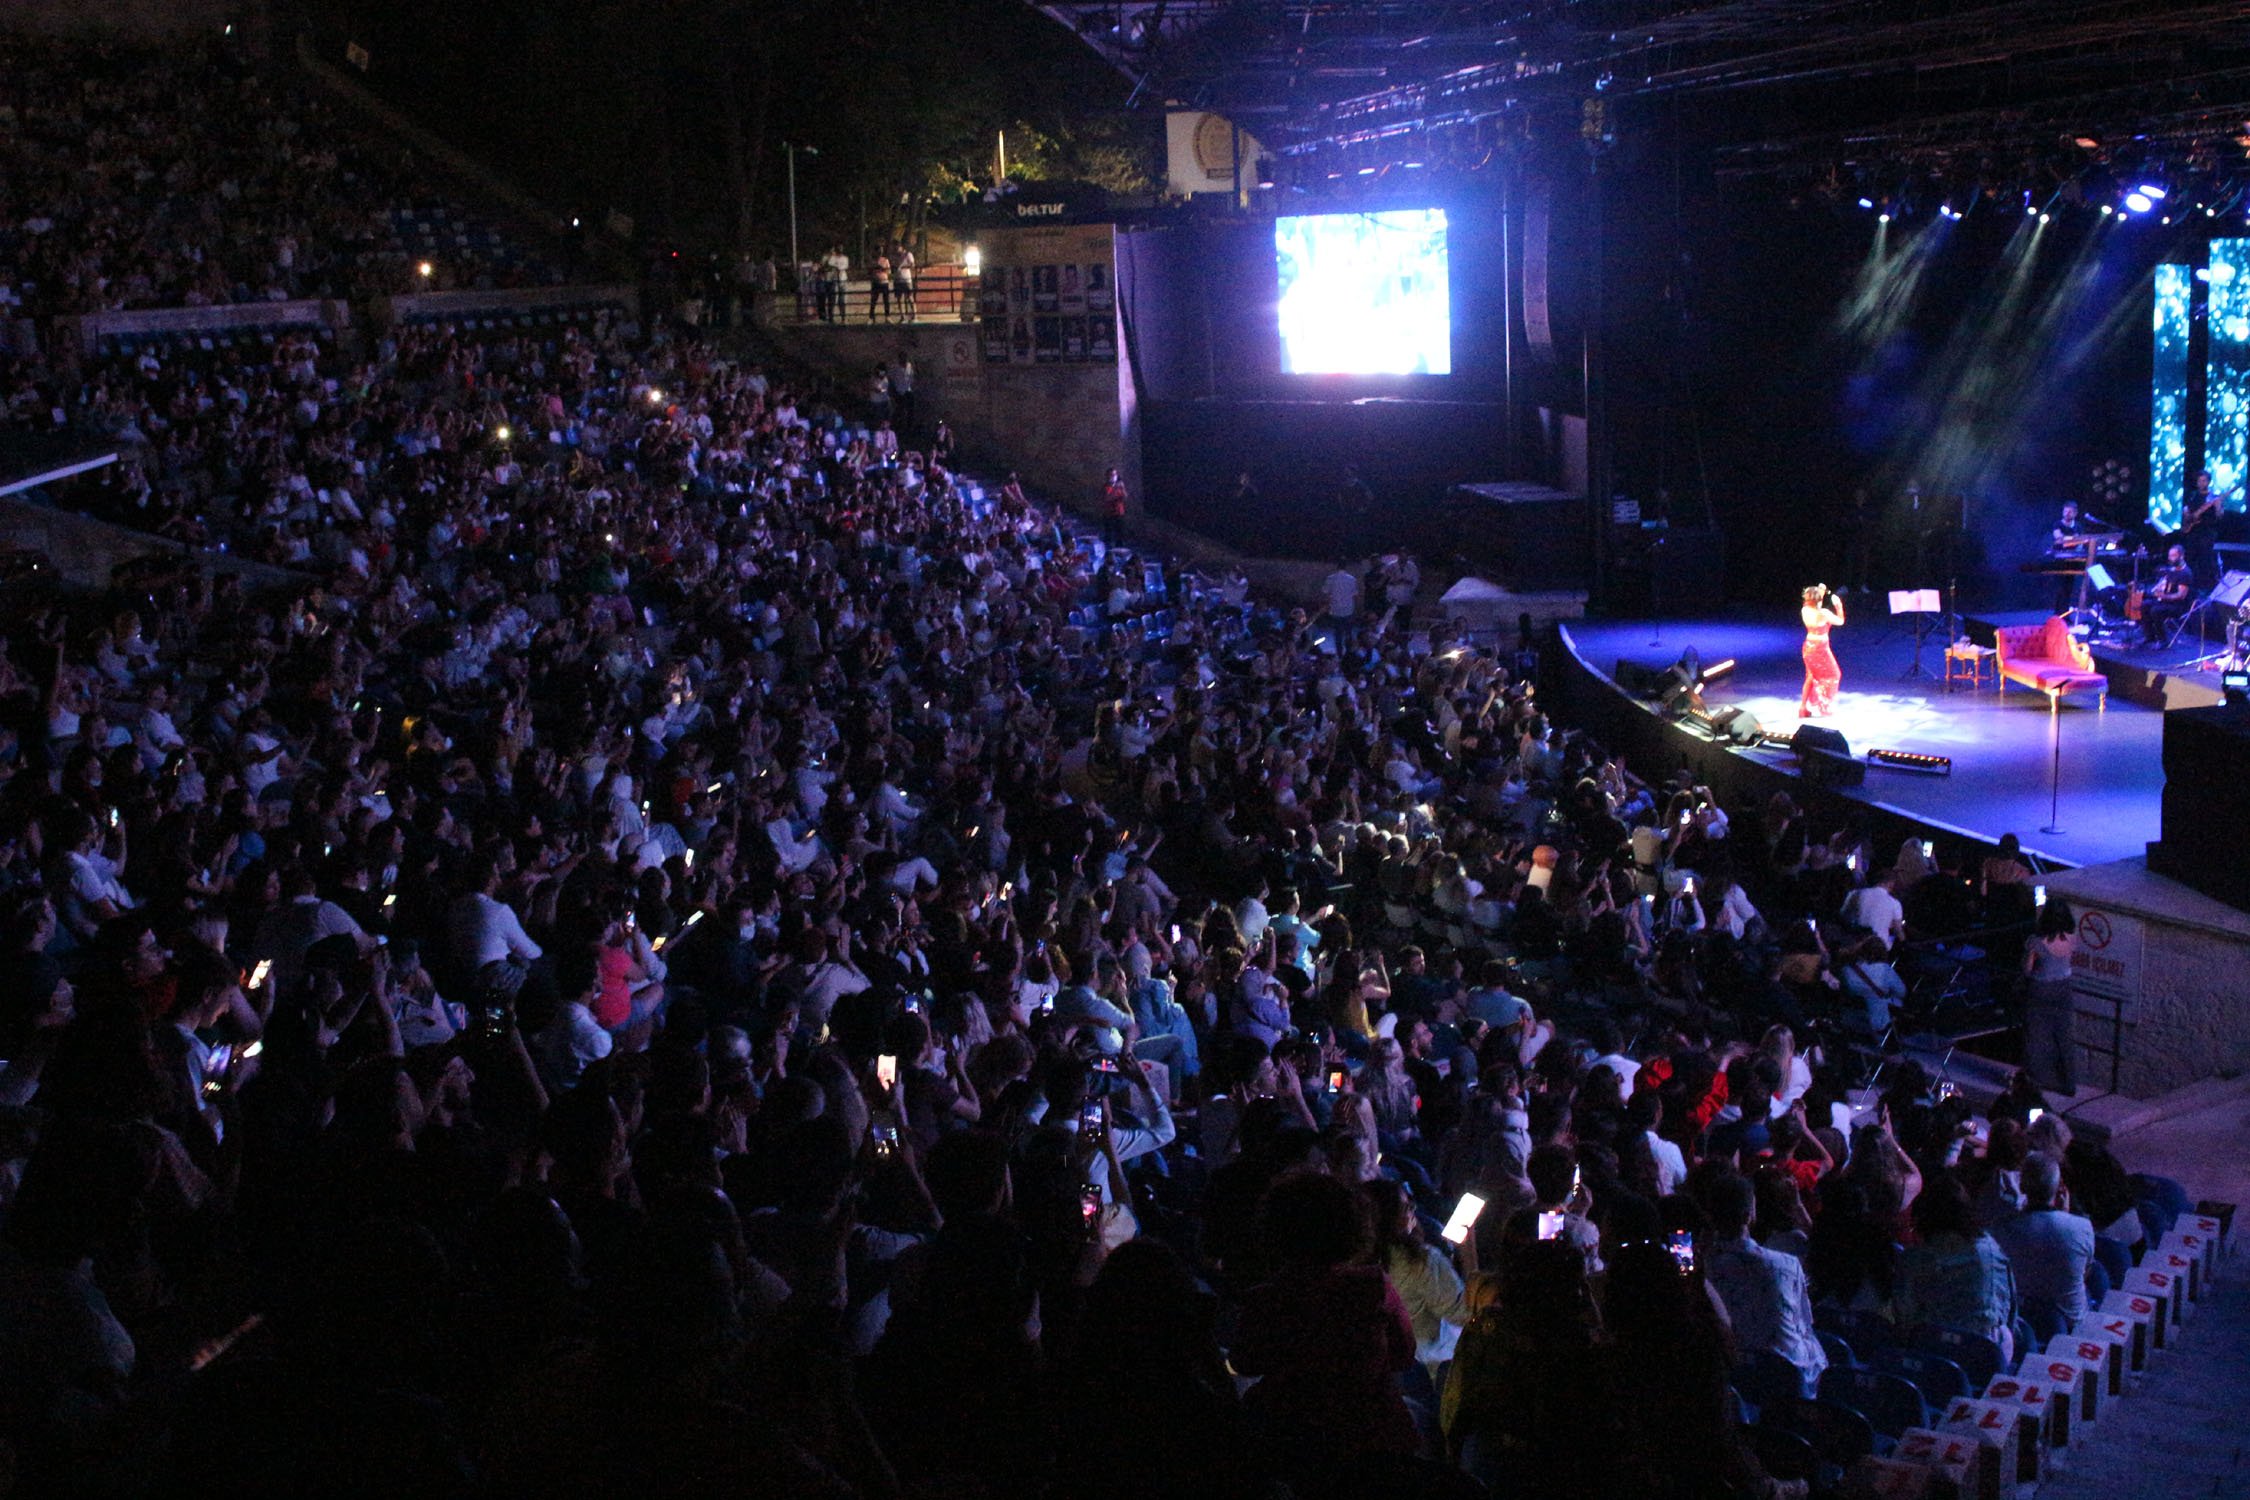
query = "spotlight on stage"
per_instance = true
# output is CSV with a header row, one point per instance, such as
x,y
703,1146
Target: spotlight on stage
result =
x,y
1912,760
2150,190
2139,202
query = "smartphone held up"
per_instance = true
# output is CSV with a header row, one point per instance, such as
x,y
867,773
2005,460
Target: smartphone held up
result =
x,y
1464,1219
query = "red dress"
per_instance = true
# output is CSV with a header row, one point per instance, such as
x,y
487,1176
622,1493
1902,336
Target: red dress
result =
x,y
1822,675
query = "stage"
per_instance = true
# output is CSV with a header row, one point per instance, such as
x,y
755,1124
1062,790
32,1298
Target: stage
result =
x,y
2003,749
2152,676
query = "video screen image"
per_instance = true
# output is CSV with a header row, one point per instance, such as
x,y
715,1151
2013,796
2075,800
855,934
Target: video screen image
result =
x,y
1364,294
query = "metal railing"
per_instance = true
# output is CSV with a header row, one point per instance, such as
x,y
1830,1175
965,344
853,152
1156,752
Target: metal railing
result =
x,y
942,294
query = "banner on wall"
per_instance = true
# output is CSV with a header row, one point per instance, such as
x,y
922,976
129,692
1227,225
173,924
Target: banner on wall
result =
x,y
1538,214
1048,296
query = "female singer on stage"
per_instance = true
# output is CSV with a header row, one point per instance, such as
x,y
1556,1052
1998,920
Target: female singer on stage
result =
x,y
1822,612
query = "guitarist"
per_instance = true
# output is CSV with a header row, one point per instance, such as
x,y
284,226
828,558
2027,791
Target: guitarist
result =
x,y
2199,530
2169,597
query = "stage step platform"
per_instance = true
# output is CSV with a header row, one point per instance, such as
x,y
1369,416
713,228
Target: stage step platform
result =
x,y
2151,677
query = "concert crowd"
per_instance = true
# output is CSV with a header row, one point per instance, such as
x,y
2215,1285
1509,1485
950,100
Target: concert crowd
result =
x,y
678,945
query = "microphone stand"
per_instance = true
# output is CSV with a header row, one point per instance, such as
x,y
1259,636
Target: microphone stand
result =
x,y
2054,773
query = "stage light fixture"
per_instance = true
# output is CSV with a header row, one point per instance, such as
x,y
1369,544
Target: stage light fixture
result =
x,y
2139,202
1882,218
502,433
1912,760
1867,203
2042,218
2107,210
2150,190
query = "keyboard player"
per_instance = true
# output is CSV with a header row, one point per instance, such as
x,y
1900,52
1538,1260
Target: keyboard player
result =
x,y
2076,543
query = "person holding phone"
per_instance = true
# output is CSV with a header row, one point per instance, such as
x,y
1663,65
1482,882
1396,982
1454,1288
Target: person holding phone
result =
x,y
1423,1274
1875,908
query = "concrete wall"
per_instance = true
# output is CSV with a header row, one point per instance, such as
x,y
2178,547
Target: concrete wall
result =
x,y
85,551
87,331
1061,426
2180,964
473,303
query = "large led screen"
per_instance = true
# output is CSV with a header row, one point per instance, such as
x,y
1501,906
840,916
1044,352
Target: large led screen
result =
x,y
1364,294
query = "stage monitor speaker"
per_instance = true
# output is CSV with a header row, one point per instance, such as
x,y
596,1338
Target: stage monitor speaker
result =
x,y
1640,681
1826,768
1738,726
1820,737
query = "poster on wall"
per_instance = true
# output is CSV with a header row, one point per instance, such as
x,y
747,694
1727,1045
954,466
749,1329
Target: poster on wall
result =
x,y
1050,295
960,354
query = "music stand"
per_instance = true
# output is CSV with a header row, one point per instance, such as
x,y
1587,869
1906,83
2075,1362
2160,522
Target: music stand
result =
x,y
1921,604
2098,581
2233,589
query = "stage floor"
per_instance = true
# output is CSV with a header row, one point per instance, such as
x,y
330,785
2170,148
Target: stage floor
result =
x,y
2112,778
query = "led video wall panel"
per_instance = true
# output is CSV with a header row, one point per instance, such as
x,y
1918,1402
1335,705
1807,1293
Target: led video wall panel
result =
x,y
2168,397
2226,421
1364,294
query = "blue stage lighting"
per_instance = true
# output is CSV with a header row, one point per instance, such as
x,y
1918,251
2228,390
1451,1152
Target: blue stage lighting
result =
x,y
1867,203
2168,397
2150,190
2139,202
2226,427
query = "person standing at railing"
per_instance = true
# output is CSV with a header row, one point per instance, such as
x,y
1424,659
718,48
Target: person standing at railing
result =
x,y
879,286
835,267
902,282
2050,1054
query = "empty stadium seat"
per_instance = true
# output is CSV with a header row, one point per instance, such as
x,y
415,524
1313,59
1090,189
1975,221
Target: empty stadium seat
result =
x,y
1890,1403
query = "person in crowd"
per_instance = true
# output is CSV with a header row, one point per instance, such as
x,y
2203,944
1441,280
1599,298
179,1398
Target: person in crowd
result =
x,y
1328,1336
2048,1248
1765,1292
1956,1276
2050,1052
